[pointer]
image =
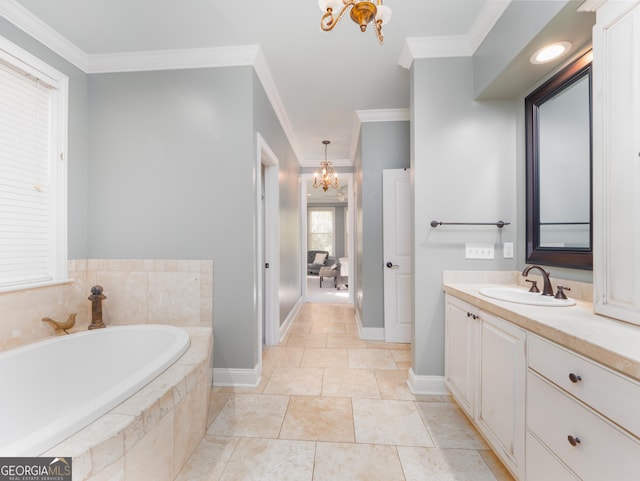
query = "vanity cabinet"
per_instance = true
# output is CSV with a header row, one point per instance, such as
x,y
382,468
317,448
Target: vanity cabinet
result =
x,y
485,371
548,413
616,160
461,322
500,412
576,428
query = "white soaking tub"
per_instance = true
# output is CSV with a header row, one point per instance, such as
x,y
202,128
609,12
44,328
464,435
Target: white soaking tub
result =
x,y
53,388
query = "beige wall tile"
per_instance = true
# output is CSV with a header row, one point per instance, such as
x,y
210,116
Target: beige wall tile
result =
x,y
190,424
174,298
152,456
21,314
126,301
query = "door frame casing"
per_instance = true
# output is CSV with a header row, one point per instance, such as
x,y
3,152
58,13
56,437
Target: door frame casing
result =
x,y
268,246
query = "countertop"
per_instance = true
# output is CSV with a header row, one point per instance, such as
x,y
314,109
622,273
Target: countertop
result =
x,y
613,343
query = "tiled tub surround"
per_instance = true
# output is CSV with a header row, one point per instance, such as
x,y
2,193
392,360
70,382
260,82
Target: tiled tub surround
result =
x,y
152,434
142,291
612,343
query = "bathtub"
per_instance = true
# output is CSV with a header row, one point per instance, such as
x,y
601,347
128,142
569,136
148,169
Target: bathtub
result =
x,y
52,389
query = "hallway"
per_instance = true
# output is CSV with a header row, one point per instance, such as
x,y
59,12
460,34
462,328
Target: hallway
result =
x,y
332,407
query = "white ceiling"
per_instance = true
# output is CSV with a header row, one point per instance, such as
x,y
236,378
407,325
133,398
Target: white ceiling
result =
x,y
322,78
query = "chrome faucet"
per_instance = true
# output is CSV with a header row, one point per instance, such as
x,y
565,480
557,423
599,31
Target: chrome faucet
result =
x,y
547,290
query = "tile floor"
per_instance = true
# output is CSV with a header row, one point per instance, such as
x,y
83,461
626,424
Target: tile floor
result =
x,y
332,407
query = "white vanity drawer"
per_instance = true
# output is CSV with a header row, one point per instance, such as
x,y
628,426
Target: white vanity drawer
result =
x,y
541,465
603,451
613,395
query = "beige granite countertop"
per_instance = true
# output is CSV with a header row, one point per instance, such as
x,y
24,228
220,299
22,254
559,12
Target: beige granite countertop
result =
x,y
613,343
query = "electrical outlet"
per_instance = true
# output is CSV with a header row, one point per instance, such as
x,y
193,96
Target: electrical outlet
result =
x,y
507,250
480,250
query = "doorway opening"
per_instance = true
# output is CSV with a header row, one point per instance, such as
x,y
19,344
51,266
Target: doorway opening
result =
x,y
328,226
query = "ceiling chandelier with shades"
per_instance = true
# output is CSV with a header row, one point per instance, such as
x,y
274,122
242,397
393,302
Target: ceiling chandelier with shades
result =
x,y
326,175
362,12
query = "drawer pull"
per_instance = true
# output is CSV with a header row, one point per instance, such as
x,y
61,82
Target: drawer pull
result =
x,y
573,441
575,378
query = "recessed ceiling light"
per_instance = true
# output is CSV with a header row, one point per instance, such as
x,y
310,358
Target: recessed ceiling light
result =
x,y
550,52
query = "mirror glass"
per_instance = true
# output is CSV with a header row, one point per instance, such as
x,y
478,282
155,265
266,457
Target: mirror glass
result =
x,y
559,211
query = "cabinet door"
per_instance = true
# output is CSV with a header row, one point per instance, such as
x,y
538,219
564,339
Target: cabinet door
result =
x,y
616,142
500,412
460,319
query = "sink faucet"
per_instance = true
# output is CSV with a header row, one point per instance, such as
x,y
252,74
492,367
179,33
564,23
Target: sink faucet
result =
x,y
547,289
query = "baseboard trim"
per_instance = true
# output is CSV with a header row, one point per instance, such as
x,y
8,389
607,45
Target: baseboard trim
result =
x,y
223,377
284,328
426,385
369,333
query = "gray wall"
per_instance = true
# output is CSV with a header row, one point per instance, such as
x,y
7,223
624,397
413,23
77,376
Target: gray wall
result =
x,y
383,145
464,170
77,138
170,151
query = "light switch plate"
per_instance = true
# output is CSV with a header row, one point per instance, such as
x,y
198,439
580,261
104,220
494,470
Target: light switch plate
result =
x,y
479,250
507,250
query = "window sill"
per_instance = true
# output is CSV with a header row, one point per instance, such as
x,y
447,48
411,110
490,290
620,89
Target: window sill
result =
x,y
37,285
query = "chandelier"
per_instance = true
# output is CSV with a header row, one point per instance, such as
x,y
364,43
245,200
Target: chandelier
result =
x,y
362,12
326,175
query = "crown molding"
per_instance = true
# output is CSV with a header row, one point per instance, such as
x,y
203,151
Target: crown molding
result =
x,y
590,5
43,33
266,79
454,45
434,47
384,115
172,59
380,115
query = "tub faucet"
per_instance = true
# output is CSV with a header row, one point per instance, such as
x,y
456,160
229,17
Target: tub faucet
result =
x,y
547,290
96,299
59,326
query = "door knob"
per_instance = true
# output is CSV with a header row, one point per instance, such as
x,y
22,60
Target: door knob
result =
x,y
390,265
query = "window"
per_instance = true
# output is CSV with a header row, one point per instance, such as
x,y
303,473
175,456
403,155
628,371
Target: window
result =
x,y
320,227
33,129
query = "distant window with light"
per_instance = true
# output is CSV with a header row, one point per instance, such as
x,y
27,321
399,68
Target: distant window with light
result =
x,y
33,208
321,229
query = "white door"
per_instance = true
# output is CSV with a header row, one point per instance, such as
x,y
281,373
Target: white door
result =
x,y
398,275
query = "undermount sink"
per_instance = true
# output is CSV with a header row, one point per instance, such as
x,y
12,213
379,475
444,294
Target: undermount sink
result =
x,y
522,296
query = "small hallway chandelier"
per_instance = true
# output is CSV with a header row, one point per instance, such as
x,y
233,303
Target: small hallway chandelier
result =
x,y
362,12
326,175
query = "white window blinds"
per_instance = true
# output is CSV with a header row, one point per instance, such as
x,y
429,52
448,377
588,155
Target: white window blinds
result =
x,y
27,220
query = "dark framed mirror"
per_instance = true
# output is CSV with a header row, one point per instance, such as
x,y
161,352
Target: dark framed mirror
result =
x,y
558,169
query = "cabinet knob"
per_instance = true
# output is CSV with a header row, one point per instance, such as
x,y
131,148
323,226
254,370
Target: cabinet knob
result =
x,y
575,378
574,441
